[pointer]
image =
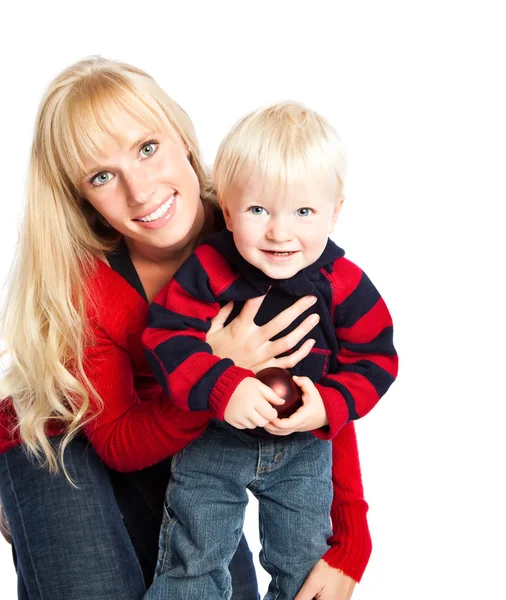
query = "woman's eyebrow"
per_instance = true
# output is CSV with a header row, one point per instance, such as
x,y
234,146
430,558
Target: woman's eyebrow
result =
x,y
98,167
142,138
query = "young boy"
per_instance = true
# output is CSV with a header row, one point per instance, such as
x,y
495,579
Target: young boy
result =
x,y
279,179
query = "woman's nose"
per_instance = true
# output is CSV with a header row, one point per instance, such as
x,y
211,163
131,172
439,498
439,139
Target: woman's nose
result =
x,y
139,186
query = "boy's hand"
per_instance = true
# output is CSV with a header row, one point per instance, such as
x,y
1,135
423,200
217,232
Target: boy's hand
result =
x,y
250,405
311,415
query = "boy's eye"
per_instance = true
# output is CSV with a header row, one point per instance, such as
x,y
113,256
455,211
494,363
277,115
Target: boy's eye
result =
x,y
257,210
304,212
148,149
101,178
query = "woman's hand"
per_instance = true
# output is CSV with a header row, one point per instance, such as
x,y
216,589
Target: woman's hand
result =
x,y
311,415
326,583
249,345
4,526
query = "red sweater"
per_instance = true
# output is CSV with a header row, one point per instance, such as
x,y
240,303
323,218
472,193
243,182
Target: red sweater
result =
x,y
139,425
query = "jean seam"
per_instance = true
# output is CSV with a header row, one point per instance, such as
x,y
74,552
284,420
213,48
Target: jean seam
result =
x,y
274,579
169,527
21,520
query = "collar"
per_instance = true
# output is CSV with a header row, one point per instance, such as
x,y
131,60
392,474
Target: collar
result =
x,y
119,260
301,284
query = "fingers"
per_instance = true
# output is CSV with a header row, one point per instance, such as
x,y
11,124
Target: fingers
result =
x,y
305,384
4,526
275,399
276,431
256,418
287,362
290,340
266,412
287,317
310,589
244,423
219,320
288,425
270,395
250,308
293,421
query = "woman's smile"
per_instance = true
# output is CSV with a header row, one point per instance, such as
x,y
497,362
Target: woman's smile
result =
x,y
159,216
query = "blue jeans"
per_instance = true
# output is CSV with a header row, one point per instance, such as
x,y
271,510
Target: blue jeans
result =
x,y
72,544
205,504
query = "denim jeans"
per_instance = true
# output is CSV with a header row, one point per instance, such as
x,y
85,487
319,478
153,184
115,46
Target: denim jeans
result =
x,y
205,504
72,544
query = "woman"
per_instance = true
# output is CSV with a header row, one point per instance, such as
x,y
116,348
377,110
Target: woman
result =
x,y
118,198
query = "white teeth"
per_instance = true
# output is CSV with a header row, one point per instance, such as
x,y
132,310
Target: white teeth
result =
x,y
159,212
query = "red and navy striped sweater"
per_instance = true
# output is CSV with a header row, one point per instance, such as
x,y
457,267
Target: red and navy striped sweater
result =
x,y
352,363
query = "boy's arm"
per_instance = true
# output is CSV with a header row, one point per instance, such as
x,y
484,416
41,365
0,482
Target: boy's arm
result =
x,y
175,339
367,360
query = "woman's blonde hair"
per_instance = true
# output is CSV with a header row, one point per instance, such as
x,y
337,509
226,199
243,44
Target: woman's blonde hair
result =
x,y
281,144
44,322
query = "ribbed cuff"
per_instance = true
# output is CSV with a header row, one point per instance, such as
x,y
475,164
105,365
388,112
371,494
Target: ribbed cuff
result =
x,y
350,550
225,387
337,412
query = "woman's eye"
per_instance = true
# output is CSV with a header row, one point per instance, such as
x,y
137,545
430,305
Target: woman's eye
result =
x,y
101,178
257,210
149,149
304,212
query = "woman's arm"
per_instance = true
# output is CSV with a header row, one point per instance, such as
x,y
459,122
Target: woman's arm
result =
x,y
334,576
351,541
134,428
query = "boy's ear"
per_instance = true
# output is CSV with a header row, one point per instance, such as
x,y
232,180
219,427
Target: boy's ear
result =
x,y
335,213
226,216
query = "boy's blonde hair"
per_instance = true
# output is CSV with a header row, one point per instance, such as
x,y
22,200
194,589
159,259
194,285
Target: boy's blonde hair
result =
x,y
44,322
281,145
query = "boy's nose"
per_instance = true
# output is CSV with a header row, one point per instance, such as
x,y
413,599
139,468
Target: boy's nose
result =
x,y
278,230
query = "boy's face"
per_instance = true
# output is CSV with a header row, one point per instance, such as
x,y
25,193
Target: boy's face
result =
x,y
280,235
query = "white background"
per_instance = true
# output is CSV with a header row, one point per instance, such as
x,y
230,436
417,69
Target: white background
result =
x,y
417,91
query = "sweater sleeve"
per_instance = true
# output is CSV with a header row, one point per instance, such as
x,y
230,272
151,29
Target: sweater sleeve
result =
x,y
176,348
350,543
131,430
367,361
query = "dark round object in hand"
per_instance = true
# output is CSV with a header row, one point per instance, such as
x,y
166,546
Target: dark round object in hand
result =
x,y
280,380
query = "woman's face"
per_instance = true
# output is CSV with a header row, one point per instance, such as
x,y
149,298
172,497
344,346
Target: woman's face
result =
x,y
145,187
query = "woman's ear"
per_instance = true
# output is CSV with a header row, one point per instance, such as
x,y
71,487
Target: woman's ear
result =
x,y
335,213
